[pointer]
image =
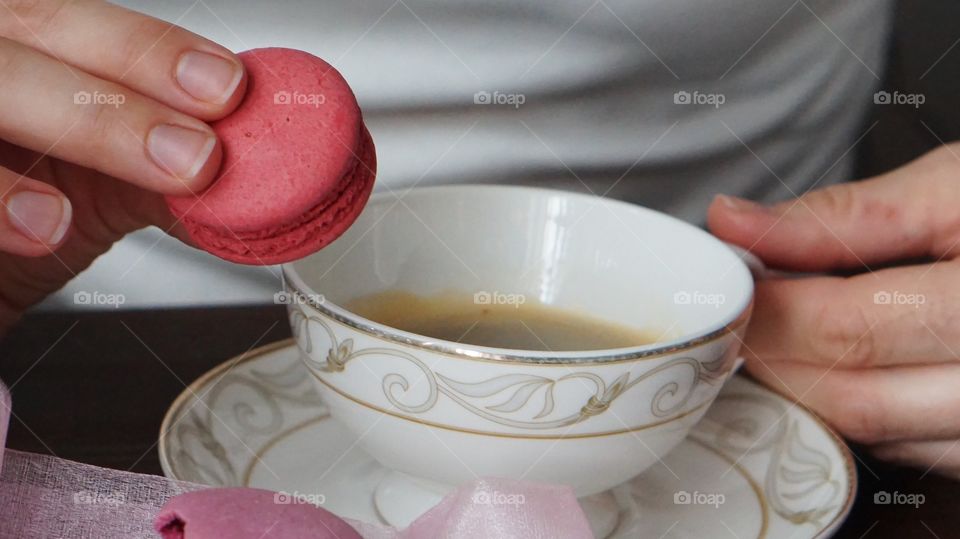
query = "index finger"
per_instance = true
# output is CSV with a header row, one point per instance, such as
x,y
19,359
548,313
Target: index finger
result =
x,y
156,58
906,213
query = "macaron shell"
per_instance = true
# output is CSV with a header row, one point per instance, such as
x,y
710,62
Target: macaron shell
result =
x,y
312,231
286,147
247,513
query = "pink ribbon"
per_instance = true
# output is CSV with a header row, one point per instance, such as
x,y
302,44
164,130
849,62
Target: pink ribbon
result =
x,y
43,496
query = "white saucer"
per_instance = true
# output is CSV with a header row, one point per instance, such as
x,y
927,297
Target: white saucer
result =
x,y
755,466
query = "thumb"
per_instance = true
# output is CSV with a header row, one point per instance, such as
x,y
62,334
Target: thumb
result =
x,y
907,213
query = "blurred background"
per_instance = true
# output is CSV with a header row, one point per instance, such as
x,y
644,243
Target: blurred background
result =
x,y
661,103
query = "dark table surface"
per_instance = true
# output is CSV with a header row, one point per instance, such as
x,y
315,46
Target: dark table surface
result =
x,y
94,386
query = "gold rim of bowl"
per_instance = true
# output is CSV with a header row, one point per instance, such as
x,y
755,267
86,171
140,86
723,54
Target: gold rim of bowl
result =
x,y
478,353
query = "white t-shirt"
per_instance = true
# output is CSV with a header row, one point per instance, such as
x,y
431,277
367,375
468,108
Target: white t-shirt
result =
x,y
659,102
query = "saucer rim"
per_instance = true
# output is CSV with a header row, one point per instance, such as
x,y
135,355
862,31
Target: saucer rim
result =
x,y
191,390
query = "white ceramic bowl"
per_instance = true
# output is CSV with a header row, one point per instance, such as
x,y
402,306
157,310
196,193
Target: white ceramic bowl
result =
x,y
446,413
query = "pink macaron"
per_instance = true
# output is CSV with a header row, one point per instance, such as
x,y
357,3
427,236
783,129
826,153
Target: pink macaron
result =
x,y
298,164
247,513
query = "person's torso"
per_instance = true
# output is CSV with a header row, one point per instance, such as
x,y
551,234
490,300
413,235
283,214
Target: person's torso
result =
x,y
659,102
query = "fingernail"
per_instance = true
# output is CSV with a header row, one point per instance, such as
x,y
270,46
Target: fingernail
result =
x,y
741,205
179,150
208,77
41,217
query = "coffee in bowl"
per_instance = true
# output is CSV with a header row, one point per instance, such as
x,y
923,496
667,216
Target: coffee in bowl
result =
x,y
516,322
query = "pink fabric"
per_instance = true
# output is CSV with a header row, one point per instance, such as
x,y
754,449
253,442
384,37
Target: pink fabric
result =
x,y
504,508
490,508
43,496
4,418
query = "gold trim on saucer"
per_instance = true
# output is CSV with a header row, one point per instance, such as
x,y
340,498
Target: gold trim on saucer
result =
x,y
754,486
280,436
192,391
849,465
808,465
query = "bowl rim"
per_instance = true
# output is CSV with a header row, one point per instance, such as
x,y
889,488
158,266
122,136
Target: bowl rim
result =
x,y
295,284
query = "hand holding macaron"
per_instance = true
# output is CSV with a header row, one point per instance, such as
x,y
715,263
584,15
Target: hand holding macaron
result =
x,y
95,127
99,131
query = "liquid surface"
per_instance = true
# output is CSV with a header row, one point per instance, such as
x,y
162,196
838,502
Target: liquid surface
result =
x,y
502,322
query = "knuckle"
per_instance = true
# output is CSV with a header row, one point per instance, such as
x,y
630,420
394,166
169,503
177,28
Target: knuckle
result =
x,y
140,40
100,124
843,333
30,17
12,62
937,173
837,199
944,158
860,414
937,184
862,425
947,244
